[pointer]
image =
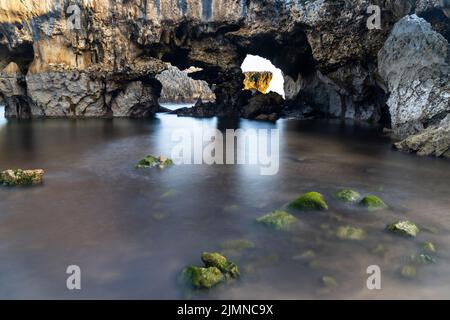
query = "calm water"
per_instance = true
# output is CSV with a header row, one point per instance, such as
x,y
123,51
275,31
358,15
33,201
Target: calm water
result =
x,y
132,231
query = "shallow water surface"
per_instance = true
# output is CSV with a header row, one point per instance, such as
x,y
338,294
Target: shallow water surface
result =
x,y
132,231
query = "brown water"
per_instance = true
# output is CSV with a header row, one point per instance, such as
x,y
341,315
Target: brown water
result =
x,y
132,231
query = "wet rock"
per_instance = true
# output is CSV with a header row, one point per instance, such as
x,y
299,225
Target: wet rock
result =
x,y
203,277
348,195
422,259
263,106
309,201
428,246
278,220
404,228
409,272
21,177
329,282
152,161
373,203
350,233
229,269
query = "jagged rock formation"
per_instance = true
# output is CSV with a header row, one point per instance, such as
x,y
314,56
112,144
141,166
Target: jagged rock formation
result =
x,y
178,87
415,63
259,81
108,66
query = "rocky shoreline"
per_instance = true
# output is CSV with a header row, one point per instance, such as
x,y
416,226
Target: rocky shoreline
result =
x,y
334,66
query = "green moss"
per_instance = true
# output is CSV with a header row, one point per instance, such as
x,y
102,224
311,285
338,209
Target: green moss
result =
x,y
409,272
278,220
350,233
309,201
203,277
404,228
348,195
373,203
21,177
428,246
152,161
220,262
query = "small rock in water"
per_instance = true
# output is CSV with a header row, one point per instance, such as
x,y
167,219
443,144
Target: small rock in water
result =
x,y
350,233
348,195
409,272
428,246
373,203
278,220
309,201
21,177
329,282
307,255
217,260
422,259
405,228
152,161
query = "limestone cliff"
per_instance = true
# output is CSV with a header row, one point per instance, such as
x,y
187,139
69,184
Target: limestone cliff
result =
x,y
104,61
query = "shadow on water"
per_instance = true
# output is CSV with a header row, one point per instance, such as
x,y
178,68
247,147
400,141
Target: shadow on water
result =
x,y
132,231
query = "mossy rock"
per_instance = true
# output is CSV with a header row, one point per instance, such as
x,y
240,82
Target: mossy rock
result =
x,y
409,272
428,247
21,177
219,261
152,161
404,228
201,277
348,195
329,282
350,233
278,220
373,203
309,201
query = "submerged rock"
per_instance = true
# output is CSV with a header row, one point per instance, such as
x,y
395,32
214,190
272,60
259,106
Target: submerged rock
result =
x,y
237,244
428,246
348,195
422,259
373,203
329,282
409,272
21,177
309,201
350,233
278,220
203,277
404,228
152,161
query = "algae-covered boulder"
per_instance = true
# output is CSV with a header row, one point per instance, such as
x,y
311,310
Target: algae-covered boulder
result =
x,y
21,177
373,203
203,277
217,260
404,228
350,233
309,201
348,195
278,220
152,161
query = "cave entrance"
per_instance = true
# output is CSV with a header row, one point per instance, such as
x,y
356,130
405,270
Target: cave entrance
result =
x,y
262,75
180,90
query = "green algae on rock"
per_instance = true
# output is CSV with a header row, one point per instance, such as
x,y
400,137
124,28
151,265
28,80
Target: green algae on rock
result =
x,y
350,233
348,195
278,220
309,201
373,203
217,260
409,272
152,161
404,228
21,177
203,277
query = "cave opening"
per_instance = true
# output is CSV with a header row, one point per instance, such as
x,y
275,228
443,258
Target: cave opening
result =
x,y
180,89
261,75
